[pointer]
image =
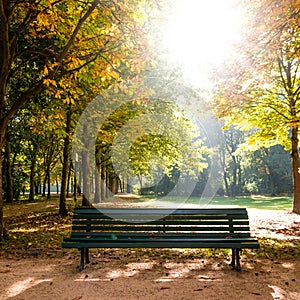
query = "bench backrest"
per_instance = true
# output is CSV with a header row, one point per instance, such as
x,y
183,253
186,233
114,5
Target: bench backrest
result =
x,y
218,222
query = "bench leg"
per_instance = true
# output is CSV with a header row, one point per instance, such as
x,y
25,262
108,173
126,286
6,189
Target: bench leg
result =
x,y
238,265
82,264
87,259
233,259
84,258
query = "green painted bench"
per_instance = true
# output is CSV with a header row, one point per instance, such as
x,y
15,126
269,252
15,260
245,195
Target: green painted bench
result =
x,y
160,228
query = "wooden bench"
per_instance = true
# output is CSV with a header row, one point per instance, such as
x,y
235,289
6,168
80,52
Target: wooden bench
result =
x,y
160,228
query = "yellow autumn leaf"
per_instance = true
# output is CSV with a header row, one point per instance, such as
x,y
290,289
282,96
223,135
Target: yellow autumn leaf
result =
x,y
114,74
47,82
46,72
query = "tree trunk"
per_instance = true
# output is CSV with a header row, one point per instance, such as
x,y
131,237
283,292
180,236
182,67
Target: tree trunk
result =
x,y
44,186
234,177
295,170
114,184
97,183
9,195
69,181
31,180
48,183
226,183
102,182
57,186
36,188
140,177
86,182
62,199
2,229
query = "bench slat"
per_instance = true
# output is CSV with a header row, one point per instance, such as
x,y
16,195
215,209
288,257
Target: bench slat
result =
x,y
159,228
159,234
168,222
121,239
150,217
160,211
163,244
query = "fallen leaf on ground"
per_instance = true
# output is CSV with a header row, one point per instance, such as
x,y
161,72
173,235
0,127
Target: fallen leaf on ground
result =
x,y
207,278
4,271
164,287
255,293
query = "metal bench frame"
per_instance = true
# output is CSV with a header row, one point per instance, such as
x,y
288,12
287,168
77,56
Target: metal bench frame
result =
x,y
160,228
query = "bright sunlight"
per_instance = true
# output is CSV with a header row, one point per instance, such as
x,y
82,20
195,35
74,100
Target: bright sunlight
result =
x,y
199,34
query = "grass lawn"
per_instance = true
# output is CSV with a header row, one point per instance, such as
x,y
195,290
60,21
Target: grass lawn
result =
x,y
251,202
256,202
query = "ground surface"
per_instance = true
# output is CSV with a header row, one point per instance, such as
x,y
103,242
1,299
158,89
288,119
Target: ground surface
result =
x,y
162,274
149,279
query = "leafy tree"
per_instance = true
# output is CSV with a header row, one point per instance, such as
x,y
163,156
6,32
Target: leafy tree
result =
x,y
43,42
260,87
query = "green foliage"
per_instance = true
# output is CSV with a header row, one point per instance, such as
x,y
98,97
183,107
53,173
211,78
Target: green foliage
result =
x,y
148,136
260,86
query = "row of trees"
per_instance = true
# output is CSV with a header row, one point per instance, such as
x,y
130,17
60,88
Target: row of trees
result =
x,y
265,171
54,57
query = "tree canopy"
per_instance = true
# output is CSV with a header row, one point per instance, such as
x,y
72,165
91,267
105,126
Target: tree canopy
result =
x,y
64,51
259,88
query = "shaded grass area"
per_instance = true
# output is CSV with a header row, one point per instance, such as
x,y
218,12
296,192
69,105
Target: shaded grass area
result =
x,y
34,229
40,233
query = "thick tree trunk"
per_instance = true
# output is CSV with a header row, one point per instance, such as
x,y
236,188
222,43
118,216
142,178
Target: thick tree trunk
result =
x,y
2,229
9,195
295,170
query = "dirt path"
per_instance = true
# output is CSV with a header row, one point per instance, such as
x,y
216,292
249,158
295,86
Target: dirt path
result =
x,y
125,274
148,279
